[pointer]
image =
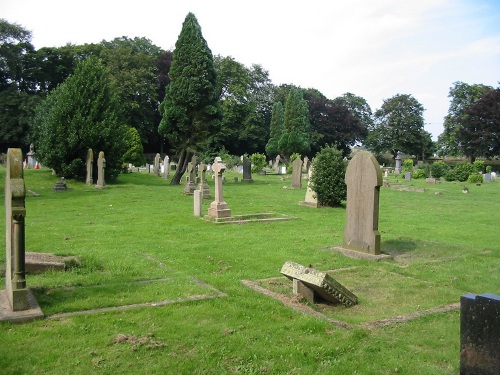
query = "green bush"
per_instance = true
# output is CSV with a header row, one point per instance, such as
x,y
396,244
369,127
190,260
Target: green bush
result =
x,y
439,169
488,169
462,171
476,178
419,173
407,165
134,153
478,166
328,175
258,162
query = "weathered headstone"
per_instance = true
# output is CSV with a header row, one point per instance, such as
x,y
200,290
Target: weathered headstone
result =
x,y
431,180
408,176
306,164
166,167
312,283
31,157
487,177
197,200
247,170
310,199
156,167
296,174
101,166
90,165
276,165
218,208
398,163
480,334
60,185
190,185
17,302
203,185
363,179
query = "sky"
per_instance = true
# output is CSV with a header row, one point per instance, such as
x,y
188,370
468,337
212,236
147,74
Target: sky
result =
x,y
375,49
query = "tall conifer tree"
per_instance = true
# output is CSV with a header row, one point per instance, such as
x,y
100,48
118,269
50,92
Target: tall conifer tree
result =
x,y
276,129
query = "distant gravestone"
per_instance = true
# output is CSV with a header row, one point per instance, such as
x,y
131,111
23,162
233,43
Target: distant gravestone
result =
x,y
408,176
101,166
310,199
306,164
197,200
31,157
398,163
156,167
60,185
190,185
276,165
17,302
487,177
166,167
203,185
296,174
218,208
247,170
363,179
480,334
90,165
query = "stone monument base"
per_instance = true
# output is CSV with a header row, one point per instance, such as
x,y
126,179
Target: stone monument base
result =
x,y
308,204
219,210
360,255
31,313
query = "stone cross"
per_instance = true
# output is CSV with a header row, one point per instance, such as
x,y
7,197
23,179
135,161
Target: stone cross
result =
x,y
101,166
203,185
166,167
296,174
190,186
363,179
90,165
247,170
156,168
219,208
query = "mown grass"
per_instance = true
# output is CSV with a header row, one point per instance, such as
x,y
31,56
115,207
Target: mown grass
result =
x,y
141,228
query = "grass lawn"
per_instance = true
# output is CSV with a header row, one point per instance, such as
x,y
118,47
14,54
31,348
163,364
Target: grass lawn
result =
x,y
188,311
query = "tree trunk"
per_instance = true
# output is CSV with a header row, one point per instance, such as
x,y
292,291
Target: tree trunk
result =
x,y
184,158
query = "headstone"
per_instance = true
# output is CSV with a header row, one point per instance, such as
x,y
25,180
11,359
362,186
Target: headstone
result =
x,y
247,170
166,167
32,162
487,177
306,164
148,168
60,185
198,197
276,162
310,199
363,178
398,163
17,302
219,208
386,173
407,176
156,168
312,283
190,185
479,334
90,165
296,174
431,180
101,166
203,185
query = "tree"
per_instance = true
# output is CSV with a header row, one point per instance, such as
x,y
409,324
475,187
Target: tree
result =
x,y
479,132
190,109
295,136
277,124
398,126
134,153
462,97
359,108
84,112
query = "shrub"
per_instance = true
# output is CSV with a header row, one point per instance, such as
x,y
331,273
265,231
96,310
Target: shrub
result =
x,y
478,166
476,178
258,162
408,165
462,171
328,176
134,151
419,173
488,169
439,169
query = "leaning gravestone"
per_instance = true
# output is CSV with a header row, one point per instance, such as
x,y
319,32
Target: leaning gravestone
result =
x,y
310,200
296,174
363,179
156,167
479,334
166,167
101,166
17,302
218,208
90,165
247,170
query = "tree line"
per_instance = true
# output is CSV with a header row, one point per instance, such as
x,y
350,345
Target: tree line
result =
x,y
187,101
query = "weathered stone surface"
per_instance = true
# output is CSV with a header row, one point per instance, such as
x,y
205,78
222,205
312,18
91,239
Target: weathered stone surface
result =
x,y
60,185
247,170
42,262
218,208
480,334
156,165
310,200
166,167
190,186
101,166
90,165
363,178
296,174
197,201
322,283
203,185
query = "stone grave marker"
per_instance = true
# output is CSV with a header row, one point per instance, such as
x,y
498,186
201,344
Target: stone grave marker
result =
x,y
60,185
90,165
190,185
203,185
487,177
17,302
408,176
156,166
479,334
296,174
218,208
276,164
101,166
166,167
198,208
306,164
32,162
310,200
311,283
363,179
398,163
247,170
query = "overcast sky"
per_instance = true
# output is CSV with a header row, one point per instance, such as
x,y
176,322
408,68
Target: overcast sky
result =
x,y
373,49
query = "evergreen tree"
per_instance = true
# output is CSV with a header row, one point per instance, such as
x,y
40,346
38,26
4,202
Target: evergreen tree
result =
x,y
190,109
277,124
295,137
134,153
81,113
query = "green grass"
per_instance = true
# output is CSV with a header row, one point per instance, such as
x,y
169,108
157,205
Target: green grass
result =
x,y
142,229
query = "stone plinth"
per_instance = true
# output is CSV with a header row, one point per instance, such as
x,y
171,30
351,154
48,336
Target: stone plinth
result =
x,y
218,208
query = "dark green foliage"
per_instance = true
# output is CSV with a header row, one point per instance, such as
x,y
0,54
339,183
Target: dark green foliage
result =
x,y
79,114
418,173
134,153
276,130
258,162
439,169
295,136
460,172
190,110
328,178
